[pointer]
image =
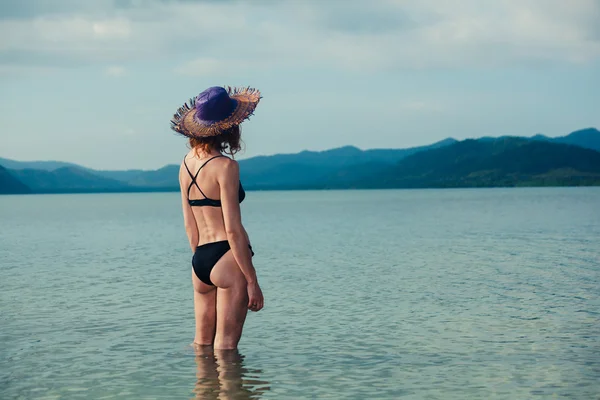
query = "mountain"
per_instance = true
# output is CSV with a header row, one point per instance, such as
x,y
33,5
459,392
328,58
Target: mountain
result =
x,y
341,156
588,138
539,136
66,179
41,165
165,177
123,176
488,163
263,172
318,167
11,185
501,162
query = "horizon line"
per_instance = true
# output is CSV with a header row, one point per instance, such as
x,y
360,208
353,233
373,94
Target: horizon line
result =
x,y
314,151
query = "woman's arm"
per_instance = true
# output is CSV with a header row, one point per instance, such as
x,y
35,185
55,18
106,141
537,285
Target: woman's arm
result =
x,y
246,235
191,229
229,181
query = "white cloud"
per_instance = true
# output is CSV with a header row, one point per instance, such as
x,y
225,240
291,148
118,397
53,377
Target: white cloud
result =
x,y
392,34
115,71
112,29
79,38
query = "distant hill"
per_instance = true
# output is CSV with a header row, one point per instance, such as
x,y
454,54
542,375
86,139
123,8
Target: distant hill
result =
x,y
504,161
263,172
500,162
66,179
41,165
587,138
318,167
167,176
280,170
11,185
341,156
123,176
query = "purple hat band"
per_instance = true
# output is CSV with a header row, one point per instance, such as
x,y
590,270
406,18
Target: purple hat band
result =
x,y
214,105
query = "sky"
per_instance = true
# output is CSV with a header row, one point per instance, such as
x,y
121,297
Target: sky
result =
x,y
96,82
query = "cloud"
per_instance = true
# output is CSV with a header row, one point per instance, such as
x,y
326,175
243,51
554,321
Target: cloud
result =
x,y
349,35
111,29
116,71
25,9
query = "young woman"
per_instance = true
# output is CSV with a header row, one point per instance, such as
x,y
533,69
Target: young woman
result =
x,y
224,279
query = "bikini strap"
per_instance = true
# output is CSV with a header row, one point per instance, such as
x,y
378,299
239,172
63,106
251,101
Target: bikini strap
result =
x,y
196,176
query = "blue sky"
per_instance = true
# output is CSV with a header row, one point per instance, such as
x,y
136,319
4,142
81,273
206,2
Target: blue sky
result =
x,y
96,82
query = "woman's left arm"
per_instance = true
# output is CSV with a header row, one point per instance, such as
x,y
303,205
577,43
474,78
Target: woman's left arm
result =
x,y
247,237
188,216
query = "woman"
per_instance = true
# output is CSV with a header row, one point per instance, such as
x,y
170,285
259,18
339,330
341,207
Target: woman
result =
x,y
224,279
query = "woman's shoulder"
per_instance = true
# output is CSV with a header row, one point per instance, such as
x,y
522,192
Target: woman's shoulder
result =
x,y
187,158
226,168
229,164
191,156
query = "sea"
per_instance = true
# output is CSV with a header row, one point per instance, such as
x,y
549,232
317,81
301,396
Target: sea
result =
x,y
369,294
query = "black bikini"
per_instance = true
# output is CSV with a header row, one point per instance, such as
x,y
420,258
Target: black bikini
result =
x,y
206,201
207,255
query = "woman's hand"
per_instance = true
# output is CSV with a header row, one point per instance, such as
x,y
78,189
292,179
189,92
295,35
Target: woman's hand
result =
x,y
255,297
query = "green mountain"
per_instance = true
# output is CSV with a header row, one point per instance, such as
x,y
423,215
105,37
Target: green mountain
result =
x,y
167,176
316,167
505,161
41,165
123,176
586,138
342,156
11,185
501,162
66,179
263,172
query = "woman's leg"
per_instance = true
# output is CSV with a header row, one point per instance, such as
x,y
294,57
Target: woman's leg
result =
x,y
205,310
232,302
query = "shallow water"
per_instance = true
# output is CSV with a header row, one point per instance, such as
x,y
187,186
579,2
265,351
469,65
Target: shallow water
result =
x,y
437,294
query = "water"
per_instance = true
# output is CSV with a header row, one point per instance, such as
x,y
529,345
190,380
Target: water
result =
x,y
437,294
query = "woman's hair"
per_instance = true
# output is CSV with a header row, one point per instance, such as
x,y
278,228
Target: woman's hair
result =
x,y
228,141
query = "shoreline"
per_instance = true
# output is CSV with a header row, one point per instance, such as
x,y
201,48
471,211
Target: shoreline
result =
x,y
290,189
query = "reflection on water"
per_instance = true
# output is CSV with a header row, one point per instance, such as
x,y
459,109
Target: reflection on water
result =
x,y
221,374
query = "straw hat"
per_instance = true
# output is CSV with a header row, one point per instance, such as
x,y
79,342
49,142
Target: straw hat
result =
x,y
214,110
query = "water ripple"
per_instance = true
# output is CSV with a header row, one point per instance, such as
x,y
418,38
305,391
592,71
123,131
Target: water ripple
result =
x,y
432,294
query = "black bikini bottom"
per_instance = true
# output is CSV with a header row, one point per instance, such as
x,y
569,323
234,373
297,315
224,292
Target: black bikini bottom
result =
x,y
206,257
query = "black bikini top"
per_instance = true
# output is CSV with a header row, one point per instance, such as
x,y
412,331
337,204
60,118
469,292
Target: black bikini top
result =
x,y
206,201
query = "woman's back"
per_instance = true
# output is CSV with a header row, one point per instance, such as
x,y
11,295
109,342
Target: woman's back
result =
x,y
199,175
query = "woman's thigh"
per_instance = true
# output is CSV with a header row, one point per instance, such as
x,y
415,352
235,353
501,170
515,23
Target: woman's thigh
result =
x,y
232,302
226,272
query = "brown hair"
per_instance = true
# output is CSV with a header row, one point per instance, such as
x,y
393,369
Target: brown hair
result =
x,y
228,141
